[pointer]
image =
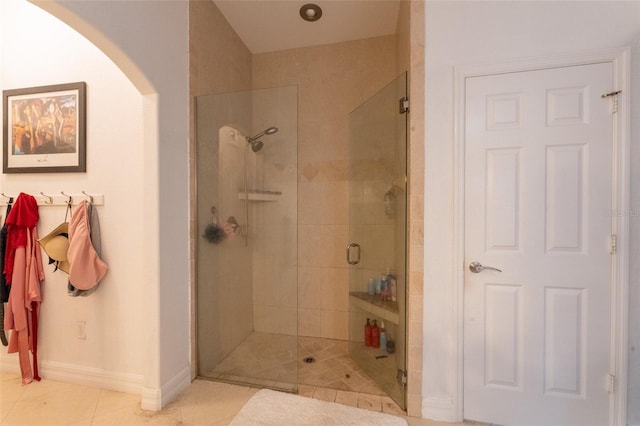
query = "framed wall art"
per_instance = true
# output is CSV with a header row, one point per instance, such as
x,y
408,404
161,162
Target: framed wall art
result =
x,y
45,129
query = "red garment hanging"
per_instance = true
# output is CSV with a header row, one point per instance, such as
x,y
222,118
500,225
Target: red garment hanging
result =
x,y
26,276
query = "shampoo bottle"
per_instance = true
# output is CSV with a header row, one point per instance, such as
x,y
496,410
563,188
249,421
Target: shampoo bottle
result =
x,y
383,287
375,335
367,333
393,286
383,336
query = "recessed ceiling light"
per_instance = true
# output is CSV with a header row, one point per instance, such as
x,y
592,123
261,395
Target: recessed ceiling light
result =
x,y
310,12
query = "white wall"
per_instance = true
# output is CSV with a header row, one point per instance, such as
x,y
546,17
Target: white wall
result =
x,y
56,54
461,33
149,42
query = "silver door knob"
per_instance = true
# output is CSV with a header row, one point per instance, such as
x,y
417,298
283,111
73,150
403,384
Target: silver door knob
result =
x,y
476,267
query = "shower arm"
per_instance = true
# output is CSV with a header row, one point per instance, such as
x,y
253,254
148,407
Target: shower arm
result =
x,y
246,197
267,131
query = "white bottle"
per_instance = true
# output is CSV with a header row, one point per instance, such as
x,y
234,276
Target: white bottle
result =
x,y
388,277
393,286
379,283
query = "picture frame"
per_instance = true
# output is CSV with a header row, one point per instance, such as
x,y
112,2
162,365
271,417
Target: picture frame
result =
x,y
44,129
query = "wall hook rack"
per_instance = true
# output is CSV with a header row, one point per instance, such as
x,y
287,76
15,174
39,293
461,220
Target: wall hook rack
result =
x,y
64,199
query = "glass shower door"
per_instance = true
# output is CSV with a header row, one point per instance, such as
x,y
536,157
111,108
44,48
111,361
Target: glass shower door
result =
x,y
246,258
378,237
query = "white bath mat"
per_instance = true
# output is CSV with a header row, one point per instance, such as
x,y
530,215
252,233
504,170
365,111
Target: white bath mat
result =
x,y
268,407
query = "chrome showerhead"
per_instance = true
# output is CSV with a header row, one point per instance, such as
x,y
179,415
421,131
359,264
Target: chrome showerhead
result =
x,y
256,145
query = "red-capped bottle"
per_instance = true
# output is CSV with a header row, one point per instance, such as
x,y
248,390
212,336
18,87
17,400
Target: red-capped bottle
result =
x,y
367,333
375,335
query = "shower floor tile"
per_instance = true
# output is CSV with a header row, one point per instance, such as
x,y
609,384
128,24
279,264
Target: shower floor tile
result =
x,y
333,367
262,360
265,359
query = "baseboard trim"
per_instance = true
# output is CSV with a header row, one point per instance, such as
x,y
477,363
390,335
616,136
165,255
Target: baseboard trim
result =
x,y
439,409
151,398
155,399
90,376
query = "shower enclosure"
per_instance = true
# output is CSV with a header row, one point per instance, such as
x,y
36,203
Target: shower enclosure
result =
x,y
246,168
247,252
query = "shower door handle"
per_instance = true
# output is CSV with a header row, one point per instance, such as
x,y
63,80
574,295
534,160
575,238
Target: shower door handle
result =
x,y
349,247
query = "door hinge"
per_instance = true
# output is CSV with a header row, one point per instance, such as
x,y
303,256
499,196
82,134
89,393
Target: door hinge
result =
x,y
404,105
402,377
611,386
614,99
614,244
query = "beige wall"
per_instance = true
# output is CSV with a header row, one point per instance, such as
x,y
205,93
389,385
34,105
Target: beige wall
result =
x,y
332,80
410,51
219,61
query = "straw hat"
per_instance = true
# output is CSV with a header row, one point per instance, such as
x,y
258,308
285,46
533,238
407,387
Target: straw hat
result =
x,y
56,244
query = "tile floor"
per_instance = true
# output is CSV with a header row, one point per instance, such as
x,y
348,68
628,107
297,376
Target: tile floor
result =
x,y
265,359
203,403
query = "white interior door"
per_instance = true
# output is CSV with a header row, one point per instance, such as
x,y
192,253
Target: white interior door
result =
x,y
538,186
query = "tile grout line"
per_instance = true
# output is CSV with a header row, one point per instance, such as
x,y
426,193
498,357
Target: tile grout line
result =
x,y
95,408
12,407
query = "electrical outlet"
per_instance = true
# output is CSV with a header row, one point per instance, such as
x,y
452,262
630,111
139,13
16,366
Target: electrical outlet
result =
x,y
81,330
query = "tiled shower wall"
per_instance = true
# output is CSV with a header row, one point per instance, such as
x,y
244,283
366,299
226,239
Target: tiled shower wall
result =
x,y
274,223
332,81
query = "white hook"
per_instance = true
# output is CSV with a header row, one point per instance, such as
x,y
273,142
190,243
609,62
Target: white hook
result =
x,y
88,196
70,200
46,196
